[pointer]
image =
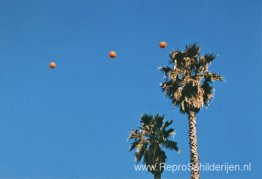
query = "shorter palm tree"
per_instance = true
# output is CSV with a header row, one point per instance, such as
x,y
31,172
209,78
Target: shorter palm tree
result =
x,y
149,141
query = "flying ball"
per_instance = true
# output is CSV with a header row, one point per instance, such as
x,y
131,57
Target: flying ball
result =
x,y
162,44
112,54
52,65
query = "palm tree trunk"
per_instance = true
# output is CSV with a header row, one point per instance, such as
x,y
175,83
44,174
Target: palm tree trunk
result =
x,y
157,175
194,160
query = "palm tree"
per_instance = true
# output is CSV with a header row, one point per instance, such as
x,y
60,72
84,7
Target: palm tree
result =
x,y
188,84
149,141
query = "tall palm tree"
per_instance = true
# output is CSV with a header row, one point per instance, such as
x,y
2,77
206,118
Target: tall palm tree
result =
x,y
149,141
188,84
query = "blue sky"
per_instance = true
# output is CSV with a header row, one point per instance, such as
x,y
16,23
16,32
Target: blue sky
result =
x,y
73,122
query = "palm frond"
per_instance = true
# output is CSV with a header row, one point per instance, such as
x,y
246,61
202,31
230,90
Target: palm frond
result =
x,y
208,92
169,133
177,55
208,58
140,151
158,120
133,146
166,70
167,123
192,50
146,119
135,134
171,145
210,77
216,77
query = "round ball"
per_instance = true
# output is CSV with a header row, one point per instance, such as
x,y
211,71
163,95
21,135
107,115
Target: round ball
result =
x,y
112,54
162,44
52,65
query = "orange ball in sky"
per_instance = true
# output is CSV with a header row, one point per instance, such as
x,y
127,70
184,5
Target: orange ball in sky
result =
x,y
52,65
112,54
162,44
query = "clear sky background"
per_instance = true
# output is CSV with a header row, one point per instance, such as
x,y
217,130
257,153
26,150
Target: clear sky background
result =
x,y
73,122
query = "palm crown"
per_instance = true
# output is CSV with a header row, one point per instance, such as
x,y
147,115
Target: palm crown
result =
x,y
188,82
149,138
